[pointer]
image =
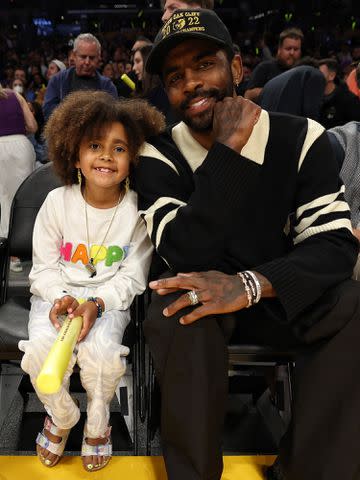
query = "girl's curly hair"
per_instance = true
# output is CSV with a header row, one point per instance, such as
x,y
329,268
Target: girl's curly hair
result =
x,y
85,114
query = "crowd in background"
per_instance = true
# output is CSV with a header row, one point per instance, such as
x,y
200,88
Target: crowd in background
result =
x,y
317,73
30,68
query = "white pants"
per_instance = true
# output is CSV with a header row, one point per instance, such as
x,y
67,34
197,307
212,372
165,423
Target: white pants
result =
x,y
100,357
17,161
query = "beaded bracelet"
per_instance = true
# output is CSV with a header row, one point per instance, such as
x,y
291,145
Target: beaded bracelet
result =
x,y
98,306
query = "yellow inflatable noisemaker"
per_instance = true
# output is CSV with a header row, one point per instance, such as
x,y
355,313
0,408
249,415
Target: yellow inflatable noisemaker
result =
x,y
52,373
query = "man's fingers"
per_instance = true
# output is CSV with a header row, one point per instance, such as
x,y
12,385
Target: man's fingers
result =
x,y
180,282
196,314
182,302
165,291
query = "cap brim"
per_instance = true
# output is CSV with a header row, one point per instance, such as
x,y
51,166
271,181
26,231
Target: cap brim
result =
x,y
159,52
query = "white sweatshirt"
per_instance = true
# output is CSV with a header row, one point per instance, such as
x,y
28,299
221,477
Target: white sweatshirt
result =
x,y
60,249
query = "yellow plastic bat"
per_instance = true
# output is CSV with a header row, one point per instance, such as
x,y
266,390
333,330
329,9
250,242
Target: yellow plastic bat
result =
x,y
128,81
53,370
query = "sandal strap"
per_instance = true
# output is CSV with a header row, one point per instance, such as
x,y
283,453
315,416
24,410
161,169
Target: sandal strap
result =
x,y
97,450
56,448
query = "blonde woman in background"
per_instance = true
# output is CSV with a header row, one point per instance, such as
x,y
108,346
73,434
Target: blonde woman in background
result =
x,y
17,155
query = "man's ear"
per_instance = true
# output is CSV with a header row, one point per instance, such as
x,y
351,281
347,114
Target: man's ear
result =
x,y
237,69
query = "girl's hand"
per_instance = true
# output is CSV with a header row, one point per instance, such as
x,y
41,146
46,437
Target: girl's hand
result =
x,y
87,310
66,304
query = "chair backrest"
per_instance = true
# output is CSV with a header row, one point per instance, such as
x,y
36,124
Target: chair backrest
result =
x,y
26,204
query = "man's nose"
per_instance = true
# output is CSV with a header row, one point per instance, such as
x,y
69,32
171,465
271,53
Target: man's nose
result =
x,y
191,81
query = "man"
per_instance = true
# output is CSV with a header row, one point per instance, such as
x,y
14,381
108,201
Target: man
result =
x,y
232,189
289,52
83,76
298,91
340,106
169,6
20,74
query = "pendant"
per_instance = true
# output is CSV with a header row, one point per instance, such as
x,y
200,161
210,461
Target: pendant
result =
x,y
90,267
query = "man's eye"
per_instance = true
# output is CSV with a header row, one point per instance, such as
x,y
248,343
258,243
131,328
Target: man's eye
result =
x,y
205,64
172,80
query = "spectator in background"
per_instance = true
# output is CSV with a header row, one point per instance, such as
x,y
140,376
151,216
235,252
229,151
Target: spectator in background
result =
x,y
55,66
8,75
20,74
18,86
353,81
340,106
71,58
299,91
149,86
108,71
169,6
346,144
140,41
38,87
17,155
83,76
289,52
40,83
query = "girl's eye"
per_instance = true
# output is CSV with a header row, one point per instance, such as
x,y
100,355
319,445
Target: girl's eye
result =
x,y
94,146
119,149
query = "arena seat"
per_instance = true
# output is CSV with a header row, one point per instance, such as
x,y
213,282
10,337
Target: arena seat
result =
x,y
271,401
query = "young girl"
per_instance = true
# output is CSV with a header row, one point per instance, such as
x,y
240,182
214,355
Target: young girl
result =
x,y
88,242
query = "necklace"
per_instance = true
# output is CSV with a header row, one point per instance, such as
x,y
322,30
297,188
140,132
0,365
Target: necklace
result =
x,y
90,267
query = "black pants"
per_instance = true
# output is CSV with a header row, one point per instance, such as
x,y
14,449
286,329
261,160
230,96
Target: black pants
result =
x,y
323,440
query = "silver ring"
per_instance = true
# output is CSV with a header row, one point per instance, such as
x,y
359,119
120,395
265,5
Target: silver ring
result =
x,y
194,299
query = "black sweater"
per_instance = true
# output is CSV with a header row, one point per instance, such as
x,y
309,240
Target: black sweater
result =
x,y
277,209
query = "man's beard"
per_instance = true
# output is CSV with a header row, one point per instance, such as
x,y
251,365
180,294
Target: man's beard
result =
x,y
203,122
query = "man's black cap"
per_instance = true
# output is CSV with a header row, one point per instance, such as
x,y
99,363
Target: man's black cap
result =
x,y
184,24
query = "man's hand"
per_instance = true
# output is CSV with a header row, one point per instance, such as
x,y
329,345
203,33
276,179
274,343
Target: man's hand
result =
x,y
234,120
216,291
66,304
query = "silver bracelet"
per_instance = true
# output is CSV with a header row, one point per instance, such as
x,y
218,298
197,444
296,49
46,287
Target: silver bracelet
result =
x,y
247,289
257,284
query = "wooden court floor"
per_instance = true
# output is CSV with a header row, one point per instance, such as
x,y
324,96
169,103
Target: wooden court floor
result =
x,y
122,468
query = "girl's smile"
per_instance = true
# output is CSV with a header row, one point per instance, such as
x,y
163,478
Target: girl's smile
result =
x,y
104,162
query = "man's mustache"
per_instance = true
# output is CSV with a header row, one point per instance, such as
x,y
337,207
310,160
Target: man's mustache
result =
x,y
212,92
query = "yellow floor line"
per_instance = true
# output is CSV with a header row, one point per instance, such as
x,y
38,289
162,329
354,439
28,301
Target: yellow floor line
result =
x,y
124,468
